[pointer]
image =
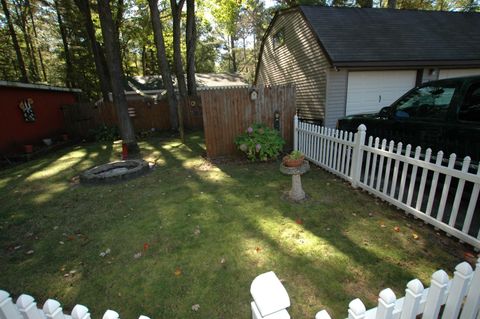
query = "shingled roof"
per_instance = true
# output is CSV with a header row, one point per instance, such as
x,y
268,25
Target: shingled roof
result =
x,y
387,37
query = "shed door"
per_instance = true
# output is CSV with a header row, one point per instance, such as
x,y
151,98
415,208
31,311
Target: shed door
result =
x,y
454,73
369,91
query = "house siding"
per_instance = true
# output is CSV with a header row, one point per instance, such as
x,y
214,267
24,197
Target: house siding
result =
x,y
300,61
336,96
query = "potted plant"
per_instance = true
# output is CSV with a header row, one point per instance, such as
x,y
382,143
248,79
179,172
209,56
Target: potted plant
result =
x,y
294,159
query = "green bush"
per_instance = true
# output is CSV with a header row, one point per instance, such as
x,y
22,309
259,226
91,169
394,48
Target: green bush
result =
x,y
106,134
260,142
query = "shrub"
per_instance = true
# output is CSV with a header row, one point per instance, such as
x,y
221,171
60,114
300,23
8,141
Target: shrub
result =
x,y
260,142
106,134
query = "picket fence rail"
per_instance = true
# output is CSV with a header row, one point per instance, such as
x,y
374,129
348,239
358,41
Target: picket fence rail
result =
x,y
443,196
26,308
459,298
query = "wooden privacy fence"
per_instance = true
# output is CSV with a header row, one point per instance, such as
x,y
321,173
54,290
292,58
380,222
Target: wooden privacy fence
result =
x,y
459,297
420,184
229,112
82,118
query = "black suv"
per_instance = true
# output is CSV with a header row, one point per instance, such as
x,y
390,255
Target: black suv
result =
x,y
442,115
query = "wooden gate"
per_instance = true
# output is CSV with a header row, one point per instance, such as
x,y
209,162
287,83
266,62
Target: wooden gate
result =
x,y
227,112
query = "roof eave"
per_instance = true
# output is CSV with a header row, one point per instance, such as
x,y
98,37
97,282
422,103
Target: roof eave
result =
x,y
397,64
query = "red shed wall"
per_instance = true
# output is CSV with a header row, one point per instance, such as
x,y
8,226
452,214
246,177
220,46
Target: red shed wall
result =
x,y
15,132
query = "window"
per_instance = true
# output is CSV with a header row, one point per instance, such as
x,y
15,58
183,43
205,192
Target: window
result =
x,y
470,109
279,38
428,102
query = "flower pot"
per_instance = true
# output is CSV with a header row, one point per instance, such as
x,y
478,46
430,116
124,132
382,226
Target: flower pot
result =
x,y
28,148
289,162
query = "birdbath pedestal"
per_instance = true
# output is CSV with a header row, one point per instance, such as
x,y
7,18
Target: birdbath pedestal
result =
x,y
296,193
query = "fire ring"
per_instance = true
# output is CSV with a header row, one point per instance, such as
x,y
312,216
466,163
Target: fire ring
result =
x,y
114,172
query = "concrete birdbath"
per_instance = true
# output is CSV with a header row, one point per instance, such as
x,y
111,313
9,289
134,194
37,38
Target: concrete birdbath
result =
x,y
296,193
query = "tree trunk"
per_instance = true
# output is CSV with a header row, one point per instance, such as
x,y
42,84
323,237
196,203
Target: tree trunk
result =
x,y
21,62
114,63
68,58
144,61
97,51
177,53
40,56
177,60
191,39
23,26
162,61
119,16
232,54
392,4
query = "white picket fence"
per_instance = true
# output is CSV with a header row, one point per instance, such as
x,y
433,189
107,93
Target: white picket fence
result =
x,y
26,308
458,298
421,185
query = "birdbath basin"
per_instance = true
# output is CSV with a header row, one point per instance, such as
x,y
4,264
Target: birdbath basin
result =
x,y
296,193
115,171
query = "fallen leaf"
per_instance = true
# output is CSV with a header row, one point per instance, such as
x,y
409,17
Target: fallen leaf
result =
x,y
196,232
137,255
382,225
196,307
258,249
178,272
223,261
299,221
29,252
396,228
415,236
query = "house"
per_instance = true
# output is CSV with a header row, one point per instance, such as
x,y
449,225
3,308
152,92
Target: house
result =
x,y
138,87
30,113
351,60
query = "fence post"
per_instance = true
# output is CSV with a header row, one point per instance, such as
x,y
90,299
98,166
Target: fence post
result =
x,y
295,132
357,155
80,312
386,304
356,309
7,308
53,310
413,296
472,302
28,307
270,299
322,315
436,295
458,289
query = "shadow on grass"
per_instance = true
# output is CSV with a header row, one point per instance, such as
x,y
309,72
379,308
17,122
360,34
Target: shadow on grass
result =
x,y
193,233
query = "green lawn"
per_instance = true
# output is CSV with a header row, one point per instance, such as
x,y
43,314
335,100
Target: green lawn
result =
x,y
204,232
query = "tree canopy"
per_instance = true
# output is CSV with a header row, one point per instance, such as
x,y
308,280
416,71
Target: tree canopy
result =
x,y
60,42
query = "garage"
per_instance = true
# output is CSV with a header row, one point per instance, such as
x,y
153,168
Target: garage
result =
x,y
454,73
369,91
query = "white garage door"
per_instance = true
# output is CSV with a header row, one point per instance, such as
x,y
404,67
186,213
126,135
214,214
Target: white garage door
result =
x,y
369,91
454,73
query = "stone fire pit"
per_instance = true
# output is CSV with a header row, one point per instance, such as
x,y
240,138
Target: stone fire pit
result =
x,y
114,172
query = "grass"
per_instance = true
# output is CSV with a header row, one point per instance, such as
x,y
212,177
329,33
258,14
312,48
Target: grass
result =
x,y
204,232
